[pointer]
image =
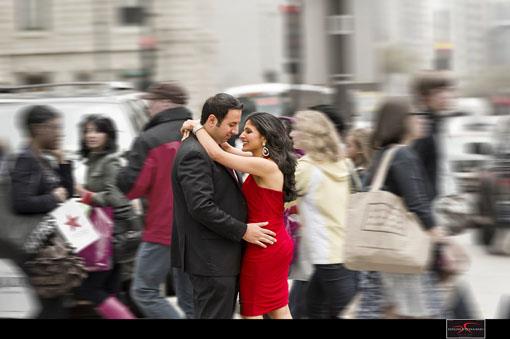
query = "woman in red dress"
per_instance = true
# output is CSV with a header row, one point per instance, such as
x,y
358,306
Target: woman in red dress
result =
x,y
268,158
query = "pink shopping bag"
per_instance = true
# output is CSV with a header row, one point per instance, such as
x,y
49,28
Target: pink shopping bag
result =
x,y
98,255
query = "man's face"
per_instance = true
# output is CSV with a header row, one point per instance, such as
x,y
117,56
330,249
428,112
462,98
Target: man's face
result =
x,y
440,100
228,127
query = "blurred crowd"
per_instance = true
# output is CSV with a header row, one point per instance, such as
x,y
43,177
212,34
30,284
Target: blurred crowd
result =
x,y
330,162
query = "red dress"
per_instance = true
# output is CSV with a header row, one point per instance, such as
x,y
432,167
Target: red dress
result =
x,y
263,283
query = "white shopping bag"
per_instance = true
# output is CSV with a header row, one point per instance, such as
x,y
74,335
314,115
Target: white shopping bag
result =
x,y
75,226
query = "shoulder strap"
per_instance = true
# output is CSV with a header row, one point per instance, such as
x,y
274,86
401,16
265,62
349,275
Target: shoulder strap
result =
x,y
382,169
354,175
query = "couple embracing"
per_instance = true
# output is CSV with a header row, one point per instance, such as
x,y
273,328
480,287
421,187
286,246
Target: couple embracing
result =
x,y
229,236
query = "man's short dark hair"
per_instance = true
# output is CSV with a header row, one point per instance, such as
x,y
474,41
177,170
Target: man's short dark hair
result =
x,y
167,91
219,105
425,83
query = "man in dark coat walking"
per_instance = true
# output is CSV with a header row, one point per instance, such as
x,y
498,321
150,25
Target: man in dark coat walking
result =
x,y
148,175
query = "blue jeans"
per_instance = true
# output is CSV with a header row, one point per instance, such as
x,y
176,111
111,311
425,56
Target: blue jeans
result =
x,y
151,268
184,292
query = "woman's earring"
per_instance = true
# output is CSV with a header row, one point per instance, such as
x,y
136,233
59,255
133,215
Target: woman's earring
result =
x,y
265,151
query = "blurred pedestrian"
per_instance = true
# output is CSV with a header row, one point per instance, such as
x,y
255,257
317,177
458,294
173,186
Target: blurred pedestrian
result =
x,y
148,175
98,142
42,178
322,180
359,151
299,270
405,295
433,93
267,156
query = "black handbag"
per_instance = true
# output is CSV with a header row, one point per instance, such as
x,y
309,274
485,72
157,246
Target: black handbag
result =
x,y
127,238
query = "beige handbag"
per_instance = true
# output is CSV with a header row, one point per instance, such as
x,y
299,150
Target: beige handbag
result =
x,y
381,234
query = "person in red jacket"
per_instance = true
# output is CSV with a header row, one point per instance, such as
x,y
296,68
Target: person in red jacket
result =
x,y
148,175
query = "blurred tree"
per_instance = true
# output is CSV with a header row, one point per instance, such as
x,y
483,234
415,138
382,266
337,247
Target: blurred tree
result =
x,y
397,63
397,58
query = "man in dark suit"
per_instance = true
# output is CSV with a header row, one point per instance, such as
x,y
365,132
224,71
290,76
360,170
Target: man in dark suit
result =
x,y
210,213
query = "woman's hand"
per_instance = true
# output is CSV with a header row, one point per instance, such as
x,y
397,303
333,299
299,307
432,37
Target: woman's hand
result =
x,y
60,194
437,234
80,190
189,125
187,128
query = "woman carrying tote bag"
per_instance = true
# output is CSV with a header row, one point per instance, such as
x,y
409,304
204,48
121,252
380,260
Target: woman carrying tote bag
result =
x,y
405,295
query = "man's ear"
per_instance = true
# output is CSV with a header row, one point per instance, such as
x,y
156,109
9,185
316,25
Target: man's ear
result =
x,y
211,120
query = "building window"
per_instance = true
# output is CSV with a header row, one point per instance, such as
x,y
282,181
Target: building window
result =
x,y
131,13
33,15
82,76
33,78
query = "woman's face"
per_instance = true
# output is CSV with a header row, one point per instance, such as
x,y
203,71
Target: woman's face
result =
x,y
296,136
252,140
50,134
94,140
352,149
416,127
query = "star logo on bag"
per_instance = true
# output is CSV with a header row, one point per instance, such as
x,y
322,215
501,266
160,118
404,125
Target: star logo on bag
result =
x,y
72,222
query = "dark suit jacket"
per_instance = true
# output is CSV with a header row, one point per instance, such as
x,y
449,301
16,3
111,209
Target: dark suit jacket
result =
x,y
209,214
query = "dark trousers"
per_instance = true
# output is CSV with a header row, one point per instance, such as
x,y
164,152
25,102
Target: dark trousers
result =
x,y
461,307
330,290
297,299
100,285
214,297
53,308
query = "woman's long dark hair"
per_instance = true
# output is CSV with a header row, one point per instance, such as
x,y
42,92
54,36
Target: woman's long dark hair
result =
x,y
390,123
280,148
103,125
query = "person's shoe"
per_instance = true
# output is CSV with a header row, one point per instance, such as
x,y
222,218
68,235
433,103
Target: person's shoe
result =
x,y
112,308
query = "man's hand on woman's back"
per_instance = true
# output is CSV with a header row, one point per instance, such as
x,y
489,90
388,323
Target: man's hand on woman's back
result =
x,y
258,235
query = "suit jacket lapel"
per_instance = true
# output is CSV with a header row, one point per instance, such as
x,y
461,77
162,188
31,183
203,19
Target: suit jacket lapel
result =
x,y
232,173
